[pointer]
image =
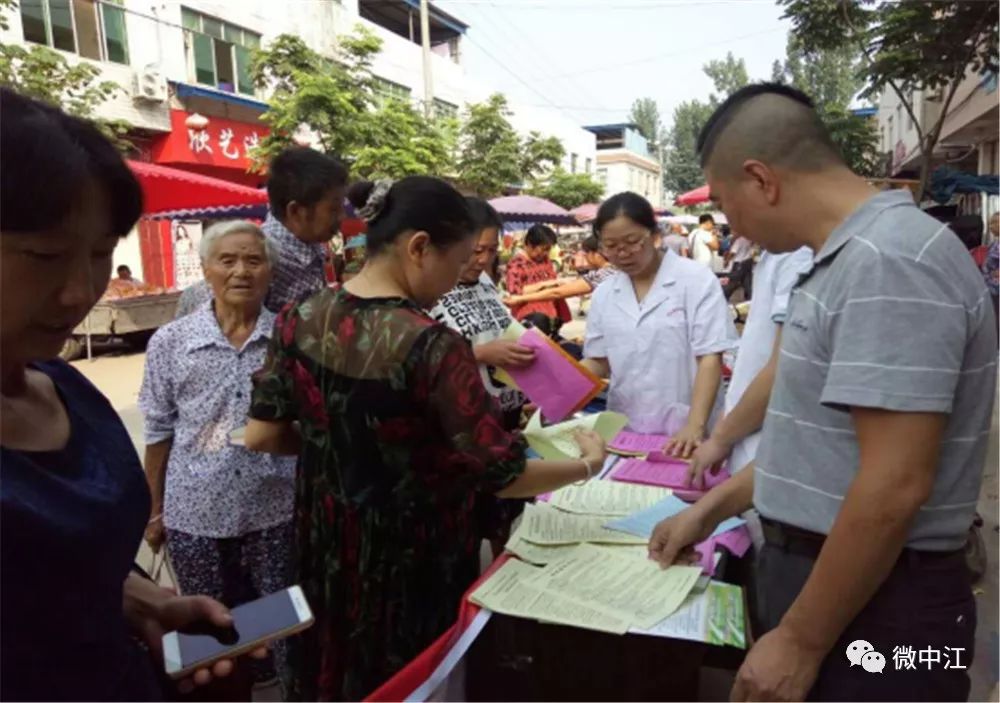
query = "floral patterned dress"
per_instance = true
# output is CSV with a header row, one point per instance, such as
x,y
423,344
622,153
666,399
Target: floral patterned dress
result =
x,y
523,272
399,435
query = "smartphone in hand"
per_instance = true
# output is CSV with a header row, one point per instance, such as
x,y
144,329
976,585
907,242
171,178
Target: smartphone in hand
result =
x,y
256,623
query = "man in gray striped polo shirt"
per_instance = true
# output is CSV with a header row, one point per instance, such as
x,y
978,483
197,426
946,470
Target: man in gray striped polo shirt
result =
x,y
871,456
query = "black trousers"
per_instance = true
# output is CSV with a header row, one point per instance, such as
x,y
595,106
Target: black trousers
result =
x,y
741,276
926,603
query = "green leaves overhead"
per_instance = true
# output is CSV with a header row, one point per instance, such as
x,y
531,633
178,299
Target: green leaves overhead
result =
x,y
570,190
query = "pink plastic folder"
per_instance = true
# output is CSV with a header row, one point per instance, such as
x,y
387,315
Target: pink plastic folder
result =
x,y
636,444
737,541
555,382
671,473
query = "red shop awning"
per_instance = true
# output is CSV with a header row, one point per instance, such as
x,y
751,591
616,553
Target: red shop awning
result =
x,y
166,188
693,197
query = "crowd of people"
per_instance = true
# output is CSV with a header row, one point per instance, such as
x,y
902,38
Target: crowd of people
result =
x,y
380,450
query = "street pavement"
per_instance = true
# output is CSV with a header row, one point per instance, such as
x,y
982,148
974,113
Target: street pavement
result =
x,y
119,377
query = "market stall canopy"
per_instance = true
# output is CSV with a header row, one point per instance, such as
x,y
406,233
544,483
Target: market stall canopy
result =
x,y
682,219
231,212
585,213
173,189
528,208
948,182
693,197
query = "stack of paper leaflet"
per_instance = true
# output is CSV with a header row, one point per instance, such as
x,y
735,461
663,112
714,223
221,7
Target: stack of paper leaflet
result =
x,y
578,572
589,576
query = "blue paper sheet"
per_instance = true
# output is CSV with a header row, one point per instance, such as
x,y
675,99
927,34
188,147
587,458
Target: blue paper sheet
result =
x,y
641,523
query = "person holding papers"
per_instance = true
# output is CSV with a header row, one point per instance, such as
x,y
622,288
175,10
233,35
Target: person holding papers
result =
x,y
474,309
396,435
657,328
871,457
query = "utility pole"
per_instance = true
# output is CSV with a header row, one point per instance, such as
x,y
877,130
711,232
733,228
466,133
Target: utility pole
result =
x,y
425,40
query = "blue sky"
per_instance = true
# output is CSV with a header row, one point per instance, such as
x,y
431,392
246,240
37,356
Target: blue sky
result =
x,y
592,58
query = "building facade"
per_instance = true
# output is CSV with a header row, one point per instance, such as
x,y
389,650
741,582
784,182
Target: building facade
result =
x,y
184,69
626,162
968,140
176,60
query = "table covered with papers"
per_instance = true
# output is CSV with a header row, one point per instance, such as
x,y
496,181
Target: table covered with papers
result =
x,y
581,613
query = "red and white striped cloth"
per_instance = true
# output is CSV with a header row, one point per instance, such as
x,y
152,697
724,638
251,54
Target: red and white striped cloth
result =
x,y
438,673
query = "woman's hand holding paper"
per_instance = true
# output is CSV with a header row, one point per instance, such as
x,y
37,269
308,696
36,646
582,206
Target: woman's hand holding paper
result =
x,y
593,449
505,354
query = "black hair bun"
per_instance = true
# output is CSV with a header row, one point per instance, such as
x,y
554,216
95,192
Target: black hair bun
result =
x,y
359,192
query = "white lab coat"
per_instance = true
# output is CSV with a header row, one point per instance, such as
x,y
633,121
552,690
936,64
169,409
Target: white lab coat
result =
x,y
652,347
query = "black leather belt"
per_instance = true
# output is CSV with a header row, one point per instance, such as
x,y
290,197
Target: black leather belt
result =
x,y
799,541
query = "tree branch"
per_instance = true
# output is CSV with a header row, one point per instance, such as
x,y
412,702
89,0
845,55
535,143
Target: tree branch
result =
x,y
911,113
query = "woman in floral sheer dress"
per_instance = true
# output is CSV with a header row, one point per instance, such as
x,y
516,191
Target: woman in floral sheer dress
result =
x,y
396,436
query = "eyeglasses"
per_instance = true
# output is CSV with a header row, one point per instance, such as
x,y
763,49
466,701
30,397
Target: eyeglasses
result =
x,y
627,246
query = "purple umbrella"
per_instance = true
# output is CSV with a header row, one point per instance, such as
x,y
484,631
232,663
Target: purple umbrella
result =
x,y
528,208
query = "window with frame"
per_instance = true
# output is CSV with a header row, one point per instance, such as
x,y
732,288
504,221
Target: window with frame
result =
x,y
602,175
445,109
219,53
572,163
94,29
590,165
386,90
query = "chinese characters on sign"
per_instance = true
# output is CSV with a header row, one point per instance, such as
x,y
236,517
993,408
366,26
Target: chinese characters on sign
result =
x,y
200,142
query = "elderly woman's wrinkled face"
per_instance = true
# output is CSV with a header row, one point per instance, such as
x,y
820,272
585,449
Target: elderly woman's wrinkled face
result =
x,y
50,280
238,271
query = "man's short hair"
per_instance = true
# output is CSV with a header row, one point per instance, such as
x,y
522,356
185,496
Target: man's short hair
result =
x,y
768,122
702,219
302,175
122,268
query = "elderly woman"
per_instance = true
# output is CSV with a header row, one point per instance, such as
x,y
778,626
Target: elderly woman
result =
x,y
73,502
224,511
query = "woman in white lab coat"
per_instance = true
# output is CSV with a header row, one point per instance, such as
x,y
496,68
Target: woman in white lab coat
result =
x,y
657,328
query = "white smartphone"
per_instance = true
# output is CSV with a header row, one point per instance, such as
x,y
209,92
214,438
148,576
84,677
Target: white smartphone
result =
x,y
272,617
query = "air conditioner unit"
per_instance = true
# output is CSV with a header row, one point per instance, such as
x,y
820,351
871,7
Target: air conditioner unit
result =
x,y
150,85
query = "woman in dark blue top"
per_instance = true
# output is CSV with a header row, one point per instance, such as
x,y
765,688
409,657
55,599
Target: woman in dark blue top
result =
x,y
73,498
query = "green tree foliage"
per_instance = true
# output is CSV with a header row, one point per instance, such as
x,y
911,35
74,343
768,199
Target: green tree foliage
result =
x,y
539,156
682,168
491,155
45,74
570,190
728,75
334,100
831,78
489,158
923,45
399,141
645,114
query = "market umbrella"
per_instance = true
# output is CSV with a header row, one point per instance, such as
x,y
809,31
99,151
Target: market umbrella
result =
x,y
528,208
173,189
693,197
585,213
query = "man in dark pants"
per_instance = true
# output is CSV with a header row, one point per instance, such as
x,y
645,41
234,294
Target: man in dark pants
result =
x,y
740,254
872,451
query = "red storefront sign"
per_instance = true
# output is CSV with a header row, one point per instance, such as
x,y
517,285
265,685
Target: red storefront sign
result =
x,y
220,149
